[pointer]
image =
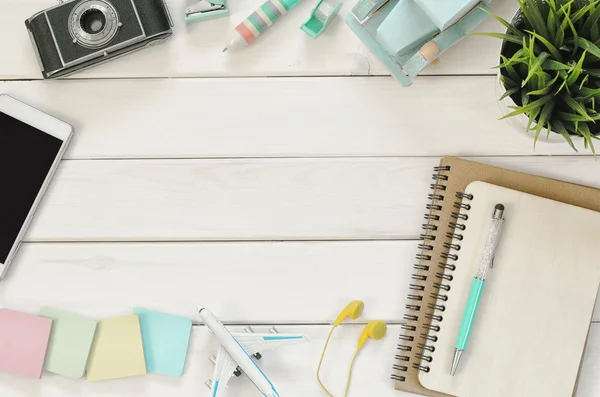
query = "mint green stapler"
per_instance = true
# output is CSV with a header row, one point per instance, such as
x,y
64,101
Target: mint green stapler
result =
x,y
206,10
409,35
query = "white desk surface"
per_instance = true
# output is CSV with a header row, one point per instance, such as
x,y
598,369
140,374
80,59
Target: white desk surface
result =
x,y
194,178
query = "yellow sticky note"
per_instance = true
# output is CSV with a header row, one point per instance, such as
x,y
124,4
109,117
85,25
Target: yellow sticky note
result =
x,y
118,351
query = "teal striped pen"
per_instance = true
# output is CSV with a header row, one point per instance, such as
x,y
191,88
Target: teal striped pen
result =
x,y
258,21
487,262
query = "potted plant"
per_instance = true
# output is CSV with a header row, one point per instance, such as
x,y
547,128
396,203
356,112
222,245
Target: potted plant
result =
x,y
549,68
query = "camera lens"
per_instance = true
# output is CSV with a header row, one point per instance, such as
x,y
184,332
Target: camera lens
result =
x,y
93,21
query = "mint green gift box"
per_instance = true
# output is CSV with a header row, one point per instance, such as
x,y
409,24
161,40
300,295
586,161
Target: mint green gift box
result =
x,y
397,30
444,13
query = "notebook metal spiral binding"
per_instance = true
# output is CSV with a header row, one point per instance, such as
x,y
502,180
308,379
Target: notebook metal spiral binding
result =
x,y
419,355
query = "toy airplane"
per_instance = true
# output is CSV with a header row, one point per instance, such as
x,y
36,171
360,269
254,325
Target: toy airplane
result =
x,y
236,352
408,35
205,10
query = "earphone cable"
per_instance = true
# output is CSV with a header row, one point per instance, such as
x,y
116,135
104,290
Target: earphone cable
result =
x,y
321,362
350,372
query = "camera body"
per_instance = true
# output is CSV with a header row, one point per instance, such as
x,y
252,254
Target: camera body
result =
x,y
79,34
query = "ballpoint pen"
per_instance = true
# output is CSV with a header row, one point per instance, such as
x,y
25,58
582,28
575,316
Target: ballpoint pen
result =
x,y
487,261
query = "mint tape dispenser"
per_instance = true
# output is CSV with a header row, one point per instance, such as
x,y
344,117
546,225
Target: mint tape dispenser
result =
x,y
321,17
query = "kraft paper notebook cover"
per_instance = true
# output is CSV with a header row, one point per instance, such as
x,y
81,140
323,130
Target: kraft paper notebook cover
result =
x,y
537,303
451,178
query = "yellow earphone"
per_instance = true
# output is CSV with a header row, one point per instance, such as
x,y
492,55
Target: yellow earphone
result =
x,y
374,329
353,310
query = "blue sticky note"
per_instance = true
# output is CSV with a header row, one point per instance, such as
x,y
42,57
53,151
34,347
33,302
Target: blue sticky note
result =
x,y
166,339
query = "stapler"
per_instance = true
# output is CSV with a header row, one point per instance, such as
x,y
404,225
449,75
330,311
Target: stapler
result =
x,y
205,10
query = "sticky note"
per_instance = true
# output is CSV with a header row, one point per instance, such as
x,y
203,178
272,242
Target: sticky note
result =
x,y
166,340
117,351
23,343
70,343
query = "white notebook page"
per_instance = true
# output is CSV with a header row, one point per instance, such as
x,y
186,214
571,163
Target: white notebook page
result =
x,y
533,319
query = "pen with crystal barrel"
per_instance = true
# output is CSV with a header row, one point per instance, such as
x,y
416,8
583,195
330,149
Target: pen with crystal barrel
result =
x,y
487,261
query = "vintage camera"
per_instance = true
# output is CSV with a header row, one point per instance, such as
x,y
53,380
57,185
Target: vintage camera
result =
x,y
79,34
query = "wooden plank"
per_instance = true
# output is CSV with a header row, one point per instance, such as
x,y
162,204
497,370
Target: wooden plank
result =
x,y
589,384
195,50
268,199
268,282
306,282
246,118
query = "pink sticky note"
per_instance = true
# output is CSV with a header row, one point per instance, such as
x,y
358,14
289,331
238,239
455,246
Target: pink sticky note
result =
x,y
23,343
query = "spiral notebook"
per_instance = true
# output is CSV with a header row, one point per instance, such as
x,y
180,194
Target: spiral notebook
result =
x,y
435,263
537,304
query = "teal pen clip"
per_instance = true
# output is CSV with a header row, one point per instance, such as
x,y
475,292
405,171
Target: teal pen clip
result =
x,y
487,262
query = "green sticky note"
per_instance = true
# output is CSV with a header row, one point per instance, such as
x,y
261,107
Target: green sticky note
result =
x,y
70,343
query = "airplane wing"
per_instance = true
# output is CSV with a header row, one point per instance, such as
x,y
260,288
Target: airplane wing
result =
x,y
224,369
257,343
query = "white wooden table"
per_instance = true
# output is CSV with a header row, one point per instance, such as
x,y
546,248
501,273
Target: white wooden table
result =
x,y
193,178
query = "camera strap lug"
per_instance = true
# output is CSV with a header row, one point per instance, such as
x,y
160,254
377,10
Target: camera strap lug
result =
x,y
205,10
